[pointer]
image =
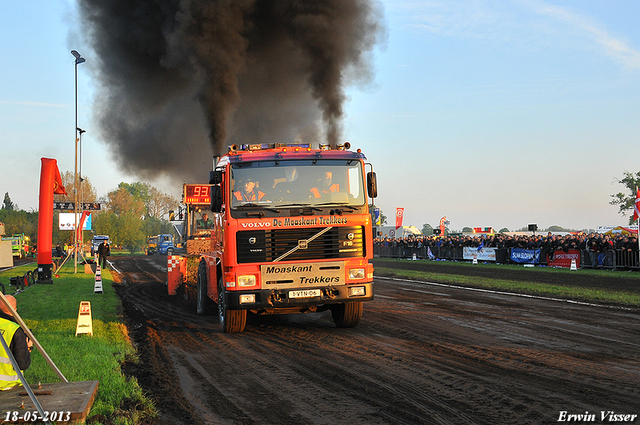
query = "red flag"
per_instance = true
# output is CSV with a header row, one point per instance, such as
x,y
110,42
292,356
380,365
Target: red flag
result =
x,y
57,182
399,214
636,207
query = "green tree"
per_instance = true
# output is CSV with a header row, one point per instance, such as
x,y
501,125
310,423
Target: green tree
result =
x,y
121,201
139,191
20,221
154,226
504,230
7,204
159,204
105,223
427,229
556,229
133,212
626,201
383,218
86,191
129,232
122,219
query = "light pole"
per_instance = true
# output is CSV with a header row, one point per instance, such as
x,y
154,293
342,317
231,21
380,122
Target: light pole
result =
x,y
80,180
79,60
80,131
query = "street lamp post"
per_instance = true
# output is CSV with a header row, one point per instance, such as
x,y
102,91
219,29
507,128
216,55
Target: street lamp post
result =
x,y
79,60
80,180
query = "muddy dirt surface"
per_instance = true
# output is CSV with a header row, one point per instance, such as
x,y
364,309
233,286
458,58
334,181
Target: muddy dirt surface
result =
x,y
422,353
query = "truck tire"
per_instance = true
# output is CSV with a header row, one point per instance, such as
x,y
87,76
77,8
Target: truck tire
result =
x,y
347,315
231,321
202,300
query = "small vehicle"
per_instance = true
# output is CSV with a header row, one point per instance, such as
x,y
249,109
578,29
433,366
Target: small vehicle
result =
x,y
19,244
97,240
161,244
165,244
152,245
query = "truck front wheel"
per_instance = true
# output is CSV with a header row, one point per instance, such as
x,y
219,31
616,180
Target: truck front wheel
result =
x,y
230,320
347,315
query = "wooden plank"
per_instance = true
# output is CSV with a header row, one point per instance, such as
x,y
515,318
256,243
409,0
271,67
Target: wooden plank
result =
x,y
61,397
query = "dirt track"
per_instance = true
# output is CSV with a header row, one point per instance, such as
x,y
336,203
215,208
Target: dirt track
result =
x,y
421,354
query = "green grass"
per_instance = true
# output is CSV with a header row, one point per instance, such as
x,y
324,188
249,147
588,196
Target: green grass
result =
x,y
51,312
532,286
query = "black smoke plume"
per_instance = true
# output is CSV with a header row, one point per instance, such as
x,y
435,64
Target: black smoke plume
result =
x,y
179,80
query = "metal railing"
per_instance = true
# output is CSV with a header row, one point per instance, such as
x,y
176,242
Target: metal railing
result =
x,y
612,259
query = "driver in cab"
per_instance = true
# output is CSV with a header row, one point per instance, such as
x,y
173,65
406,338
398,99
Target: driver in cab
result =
x,y
326,186
248,192
205,222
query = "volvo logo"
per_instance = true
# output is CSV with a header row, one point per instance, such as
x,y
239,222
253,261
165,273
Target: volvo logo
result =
x,y
252,240
350,236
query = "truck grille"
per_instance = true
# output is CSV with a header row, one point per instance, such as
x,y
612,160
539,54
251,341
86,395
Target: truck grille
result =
x,y
267,245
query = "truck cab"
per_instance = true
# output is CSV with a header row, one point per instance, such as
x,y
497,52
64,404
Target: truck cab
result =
x,y
280,229
19,245
165,244
152,245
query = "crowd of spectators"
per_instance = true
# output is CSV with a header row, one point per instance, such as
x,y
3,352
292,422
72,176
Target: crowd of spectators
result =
x,y
594,242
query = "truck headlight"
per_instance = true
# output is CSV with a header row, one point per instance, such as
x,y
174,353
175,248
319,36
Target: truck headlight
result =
x,y
247,280
355,274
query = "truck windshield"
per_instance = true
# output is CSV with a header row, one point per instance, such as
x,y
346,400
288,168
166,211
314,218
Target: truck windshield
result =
x,y
301,183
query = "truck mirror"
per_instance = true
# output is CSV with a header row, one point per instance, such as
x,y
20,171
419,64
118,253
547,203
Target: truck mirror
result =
x,y
215,177
372,185
216,199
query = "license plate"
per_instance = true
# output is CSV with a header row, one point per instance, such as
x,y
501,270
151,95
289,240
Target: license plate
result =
x,y
307,293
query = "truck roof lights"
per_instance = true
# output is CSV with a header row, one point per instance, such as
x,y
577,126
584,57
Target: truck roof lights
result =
x,y
285,147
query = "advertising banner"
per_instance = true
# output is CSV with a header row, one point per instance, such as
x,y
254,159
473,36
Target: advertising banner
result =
x,y
68,222
399,215
484,254
525,256
563,259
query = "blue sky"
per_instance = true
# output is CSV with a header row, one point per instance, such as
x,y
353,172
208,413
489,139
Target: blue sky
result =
x,y
492,113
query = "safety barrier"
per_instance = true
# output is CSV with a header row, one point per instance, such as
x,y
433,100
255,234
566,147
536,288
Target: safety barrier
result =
x,y
24,281
613,259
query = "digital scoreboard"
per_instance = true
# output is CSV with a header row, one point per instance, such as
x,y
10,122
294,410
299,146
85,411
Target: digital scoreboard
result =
x,y
198,194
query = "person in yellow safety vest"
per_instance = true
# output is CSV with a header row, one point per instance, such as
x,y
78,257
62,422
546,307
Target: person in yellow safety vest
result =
x,y
19,344
325,186
249,193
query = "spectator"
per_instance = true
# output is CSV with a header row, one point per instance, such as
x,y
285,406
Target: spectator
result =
x,y
104,250
19,345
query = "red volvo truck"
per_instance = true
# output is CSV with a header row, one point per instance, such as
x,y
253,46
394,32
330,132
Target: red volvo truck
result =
x,y
279,228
